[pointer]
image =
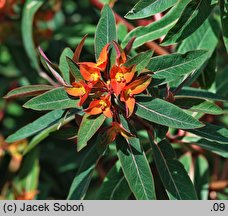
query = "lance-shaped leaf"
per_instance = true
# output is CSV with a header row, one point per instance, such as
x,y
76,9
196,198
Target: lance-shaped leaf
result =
x,y
27,179
212,146
51,100
164,113
145,8
83,177
36,126
135,166
46,132
201,177
205,37
224,20
88,127
74,70
172,173
198,105
170,67
141,60
26,91
188,92
63,64
105,31
54,69
156,29
211,132
29,10
193,16
114,186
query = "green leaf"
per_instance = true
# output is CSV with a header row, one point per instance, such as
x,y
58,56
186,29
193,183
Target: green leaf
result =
x,y
29,10
193,16
170,67
207,77
205,37
222,82
186,160
46,132
146,8
156,29
172,173
198,105
27,179
201,177
188,92
224,20
141,60
83,177
88,127
51,100
36,126
135,166
212,146
114,186
74,69
211,132
105,31
26,91
164,113
63,64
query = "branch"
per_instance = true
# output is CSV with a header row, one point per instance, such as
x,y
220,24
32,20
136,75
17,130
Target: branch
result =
x,y
152,45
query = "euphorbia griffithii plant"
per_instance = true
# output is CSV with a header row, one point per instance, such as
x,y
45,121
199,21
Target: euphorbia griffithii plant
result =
x,y
128,108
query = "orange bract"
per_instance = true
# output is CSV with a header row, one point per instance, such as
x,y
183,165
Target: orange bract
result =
x,y
79,89
136,87
102,105
120,76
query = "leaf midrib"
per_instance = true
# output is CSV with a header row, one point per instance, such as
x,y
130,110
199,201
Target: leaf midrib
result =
x,y
137,170
167,167
172,119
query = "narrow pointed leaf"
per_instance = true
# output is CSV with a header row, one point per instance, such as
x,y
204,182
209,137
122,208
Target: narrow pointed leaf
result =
x,y
45,133
88,127
114,186
105,31
198,105
36,126
212,132
29,11
74,70
212,146
188,92
156,29
224,20
170,67
164,113
145,8
141,60
135,166
194,15
172,173
51,100
201,177
63,65
26,91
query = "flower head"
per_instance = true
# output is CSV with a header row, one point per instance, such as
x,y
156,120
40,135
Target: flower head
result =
x,y
101,105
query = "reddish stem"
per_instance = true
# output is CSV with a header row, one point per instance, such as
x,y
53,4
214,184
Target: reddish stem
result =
x,y
152,45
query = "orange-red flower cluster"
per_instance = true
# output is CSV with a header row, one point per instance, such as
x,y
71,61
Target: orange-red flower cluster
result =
x,y
104,83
